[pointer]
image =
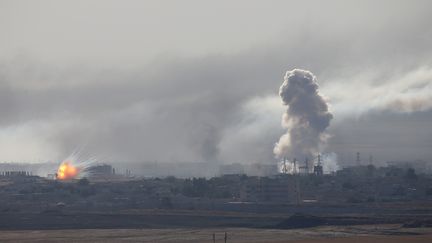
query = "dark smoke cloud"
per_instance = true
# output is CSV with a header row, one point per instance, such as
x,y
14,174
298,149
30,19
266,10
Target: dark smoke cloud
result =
x,y
306,118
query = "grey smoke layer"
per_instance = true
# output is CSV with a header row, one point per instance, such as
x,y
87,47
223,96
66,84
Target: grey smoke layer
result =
x,y
200,84
306,118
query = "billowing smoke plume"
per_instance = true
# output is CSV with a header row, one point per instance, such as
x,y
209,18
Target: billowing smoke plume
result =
x,y
306,118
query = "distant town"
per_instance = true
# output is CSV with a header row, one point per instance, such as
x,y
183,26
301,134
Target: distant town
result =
x,y
105,187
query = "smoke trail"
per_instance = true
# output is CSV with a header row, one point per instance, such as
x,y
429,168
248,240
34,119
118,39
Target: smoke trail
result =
x,y
398,92
306,118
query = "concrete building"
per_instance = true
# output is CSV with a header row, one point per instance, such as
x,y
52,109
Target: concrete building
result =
x,y
100,171
259,189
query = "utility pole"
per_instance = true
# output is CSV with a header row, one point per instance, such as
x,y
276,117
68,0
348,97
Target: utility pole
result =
x,y
297,190
307,165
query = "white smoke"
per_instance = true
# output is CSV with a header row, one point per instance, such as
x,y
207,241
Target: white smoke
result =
x,y
398,92
287,167
306,118
329,162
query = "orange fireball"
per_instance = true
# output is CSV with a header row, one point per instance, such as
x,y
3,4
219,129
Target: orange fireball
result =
x,y
67,171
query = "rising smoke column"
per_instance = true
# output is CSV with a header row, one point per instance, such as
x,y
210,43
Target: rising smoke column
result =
x,y
306,118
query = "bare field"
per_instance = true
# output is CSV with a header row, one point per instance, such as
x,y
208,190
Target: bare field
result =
x,y
365,233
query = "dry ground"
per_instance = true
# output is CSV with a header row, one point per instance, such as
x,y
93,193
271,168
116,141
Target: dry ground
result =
x,y
361,234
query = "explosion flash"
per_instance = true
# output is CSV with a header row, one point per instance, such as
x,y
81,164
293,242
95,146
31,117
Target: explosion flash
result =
x,y
67,171
75,166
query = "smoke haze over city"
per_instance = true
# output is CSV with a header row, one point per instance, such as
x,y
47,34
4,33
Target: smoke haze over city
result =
x,y
191,81
216,121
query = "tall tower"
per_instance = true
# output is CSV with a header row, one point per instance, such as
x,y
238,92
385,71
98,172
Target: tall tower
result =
x,y
318,169
358,158
304,169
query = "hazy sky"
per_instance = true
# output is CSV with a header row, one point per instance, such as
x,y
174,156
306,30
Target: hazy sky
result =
x,y
198,80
